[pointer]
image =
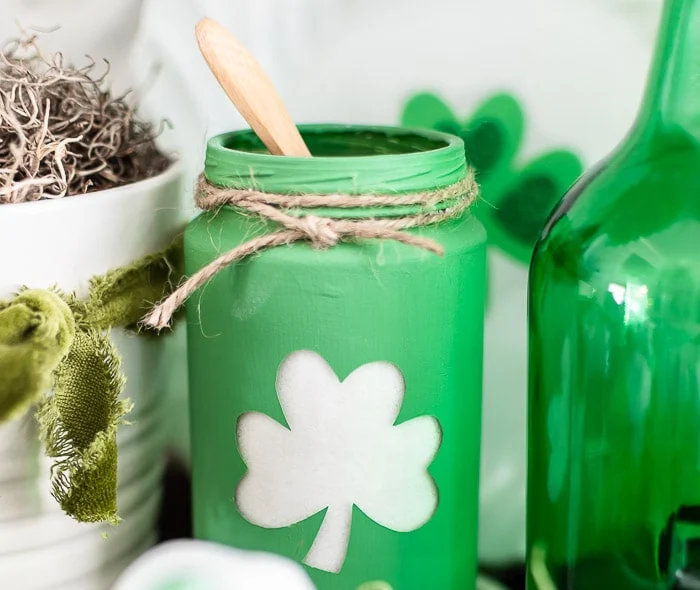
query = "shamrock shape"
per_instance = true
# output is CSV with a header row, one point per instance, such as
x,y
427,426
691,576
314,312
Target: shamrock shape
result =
x,y
341,449
515,201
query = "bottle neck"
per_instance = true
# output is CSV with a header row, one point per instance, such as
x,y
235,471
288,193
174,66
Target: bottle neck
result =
x,y
672,98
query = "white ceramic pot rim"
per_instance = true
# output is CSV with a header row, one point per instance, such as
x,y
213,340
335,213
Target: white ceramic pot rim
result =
x,y
109,194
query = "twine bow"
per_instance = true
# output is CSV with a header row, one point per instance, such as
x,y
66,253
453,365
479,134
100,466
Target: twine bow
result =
x,y
291,213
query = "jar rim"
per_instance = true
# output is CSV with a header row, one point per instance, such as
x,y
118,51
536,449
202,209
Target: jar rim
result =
x,y
349,159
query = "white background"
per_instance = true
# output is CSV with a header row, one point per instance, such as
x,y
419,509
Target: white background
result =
x,y
578,64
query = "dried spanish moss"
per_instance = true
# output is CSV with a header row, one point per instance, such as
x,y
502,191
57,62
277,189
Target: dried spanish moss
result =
x,y
61,131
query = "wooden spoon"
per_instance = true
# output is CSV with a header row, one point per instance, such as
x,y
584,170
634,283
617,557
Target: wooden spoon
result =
x,y
250,90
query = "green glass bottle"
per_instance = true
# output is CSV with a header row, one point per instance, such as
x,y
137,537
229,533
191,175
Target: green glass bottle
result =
x,y
336,394
614,401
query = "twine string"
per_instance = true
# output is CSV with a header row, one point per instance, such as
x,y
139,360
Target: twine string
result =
x,y
294,215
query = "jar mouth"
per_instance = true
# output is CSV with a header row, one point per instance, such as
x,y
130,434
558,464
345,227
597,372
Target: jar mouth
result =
x,y
347,159
345,141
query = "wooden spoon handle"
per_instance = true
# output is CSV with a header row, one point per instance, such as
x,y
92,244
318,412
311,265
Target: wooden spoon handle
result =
x,y
250,89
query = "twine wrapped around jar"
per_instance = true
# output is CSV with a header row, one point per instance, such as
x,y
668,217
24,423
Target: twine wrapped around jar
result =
x,y
297,223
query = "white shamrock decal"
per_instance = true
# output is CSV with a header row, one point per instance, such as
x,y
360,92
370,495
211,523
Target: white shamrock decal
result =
x,y
341,450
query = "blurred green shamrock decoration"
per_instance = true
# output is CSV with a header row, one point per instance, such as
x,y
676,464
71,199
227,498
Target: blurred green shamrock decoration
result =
x,y
515,200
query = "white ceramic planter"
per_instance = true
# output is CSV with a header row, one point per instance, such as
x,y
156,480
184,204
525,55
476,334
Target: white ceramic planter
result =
x,y
49,532
21,457
47,567
30,496
65,242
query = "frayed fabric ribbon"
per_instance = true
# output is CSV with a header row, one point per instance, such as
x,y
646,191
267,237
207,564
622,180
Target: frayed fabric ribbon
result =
x,y
292,213
56,352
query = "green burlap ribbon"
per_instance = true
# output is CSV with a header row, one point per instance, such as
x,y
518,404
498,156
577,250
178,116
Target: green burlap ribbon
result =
x,y
53,341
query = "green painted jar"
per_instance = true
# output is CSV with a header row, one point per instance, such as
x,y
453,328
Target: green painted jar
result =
x,y
336,393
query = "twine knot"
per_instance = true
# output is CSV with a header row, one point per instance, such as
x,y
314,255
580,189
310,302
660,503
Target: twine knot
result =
x,y
292,214
320,230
